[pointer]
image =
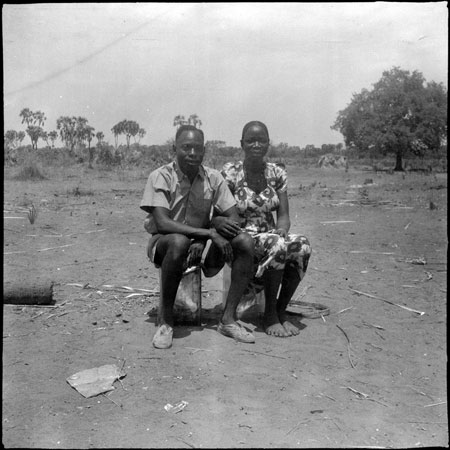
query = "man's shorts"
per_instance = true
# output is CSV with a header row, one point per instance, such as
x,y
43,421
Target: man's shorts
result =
x,y
207,271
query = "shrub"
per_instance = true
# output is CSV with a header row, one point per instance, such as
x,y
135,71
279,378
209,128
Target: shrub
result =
x,y
30,171
107,156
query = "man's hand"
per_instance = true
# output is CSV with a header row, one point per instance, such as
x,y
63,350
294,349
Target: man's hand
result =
x,y
195,253
226,226
223,245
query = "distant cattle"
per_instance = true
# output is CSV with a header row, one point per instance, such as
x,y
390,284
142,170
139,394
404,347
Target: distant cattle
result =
x,y
331,161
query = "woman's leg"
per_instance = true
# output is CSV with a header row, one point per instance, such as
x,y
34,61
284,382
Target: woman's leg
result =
x,y
291,280
270,249
298,251
272,280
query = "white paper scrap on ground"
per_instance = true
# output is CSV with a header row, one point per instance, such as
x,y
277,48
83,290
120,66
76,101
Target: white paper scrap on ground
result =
x,y
92,382
177,408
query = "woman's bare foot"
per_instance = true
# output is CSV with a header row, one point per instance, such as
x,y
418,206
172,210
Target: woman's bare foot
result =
x,y
289,326
273,327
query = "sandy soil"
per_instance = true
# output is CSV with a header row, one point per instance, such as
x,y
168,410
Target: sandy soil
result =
x,y
383,387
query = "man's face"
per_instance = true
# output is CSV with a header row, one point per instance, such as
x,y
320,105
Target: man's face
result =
x,y
189,150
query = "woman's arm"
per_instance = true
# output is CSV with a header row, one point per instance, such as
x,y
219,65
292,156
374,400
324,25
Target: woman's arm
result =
x,y
283,219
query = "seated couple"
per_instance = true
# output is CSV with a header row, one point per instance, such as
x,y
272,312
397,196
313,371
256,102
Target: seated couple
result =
x,y
188,204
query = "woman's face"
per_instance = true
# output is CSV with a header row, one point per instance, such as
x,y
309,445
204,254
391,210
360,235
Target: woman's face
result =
x,y
255,143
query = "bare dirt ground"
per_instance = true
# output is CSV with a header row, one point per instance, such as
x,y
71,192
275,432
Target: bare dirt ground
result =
x,y
369,374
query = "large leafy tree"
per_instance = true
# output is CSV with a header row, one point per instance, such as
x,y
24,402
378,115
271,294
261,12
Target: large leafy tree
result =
x,y
401,114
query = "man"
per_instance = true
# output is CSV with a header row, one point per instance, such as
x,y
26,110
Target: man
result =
x,y
181,198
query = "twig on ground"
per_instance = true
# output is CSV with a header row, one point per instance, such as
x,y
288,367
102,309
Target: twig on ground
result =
x,y
304,291
187,443
343,310
406,227
37,315
376,332
338,221
261,353
348,346
327,396
85,232
435,404
110,399
373,326
421,313
374,346
372,253
53,248
420,392
295,427
363,396
198,349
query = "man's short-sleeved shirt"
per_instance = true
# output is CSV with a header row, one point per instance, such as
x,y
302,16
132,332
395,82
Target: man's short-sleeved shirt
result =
x,y
194,204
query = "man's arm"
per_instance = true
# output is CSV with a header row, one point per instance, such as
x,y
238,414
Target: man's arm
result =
x,y
166,225
227,223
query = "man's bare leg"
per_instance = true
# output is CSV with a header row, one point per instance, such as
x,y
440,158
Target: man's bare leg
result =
x,y
241,274
171,251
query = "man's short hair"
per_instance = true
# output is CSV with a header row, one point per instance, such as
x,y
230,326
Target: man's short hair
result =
x,y
188,128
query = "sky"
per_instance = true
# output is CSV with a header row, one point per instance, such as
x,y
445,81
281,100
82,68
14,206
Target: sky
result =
x,y
293,66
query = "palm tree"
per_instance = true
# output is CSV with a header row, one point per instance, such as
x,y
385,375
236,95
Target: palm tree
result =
x,y
39,118
27,116
194,120
99,137
178,121
67,128
53,135
116,130
89,133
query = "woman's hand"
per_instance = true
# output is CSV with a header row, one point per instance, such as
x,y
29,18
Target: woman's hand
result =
x,y
226,226
195,253
281,231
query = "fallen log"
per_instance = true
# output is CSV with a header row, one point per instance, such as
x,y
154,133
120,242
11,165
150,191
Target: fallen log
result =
x,y
28,293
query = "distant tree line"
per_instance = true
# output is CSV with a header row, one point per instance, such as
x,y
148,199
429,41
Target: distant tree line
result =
x,y
401,115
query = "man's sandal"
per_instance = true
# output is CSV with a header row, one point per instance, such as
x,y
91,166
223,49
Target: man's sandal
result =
x,y
236,332
163,337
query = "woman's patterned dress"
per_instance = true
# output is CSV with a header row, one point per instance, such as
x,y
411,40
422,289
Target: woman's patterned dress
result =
x,y
256,211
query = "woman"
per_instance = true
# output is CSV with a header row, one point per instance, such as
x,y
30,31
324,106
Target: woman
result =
x,y
260,188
